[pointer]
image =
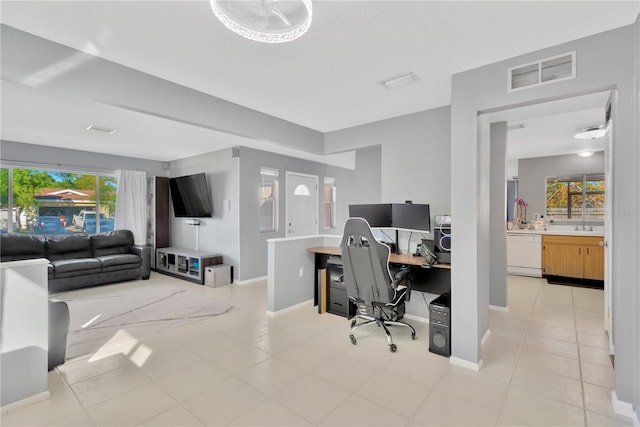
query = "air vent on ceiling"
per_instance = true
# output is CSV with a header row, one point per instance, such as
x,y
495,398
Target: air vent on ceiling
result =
x,y
549,70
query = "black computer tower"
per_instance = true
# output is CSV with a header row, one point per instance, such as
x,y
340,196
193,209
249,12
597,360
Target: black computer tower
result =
x,y
440,325
337,299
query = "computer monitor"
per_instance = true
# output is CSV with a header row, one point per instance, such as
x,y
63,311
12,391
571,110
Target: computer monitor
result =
x,y
377,215
411,216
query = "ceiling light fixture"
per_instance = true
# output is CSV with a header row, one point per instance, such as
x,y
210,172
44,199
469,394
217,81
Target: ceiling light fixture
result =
x,y
585,153
592,132
399,81
267,21
103,130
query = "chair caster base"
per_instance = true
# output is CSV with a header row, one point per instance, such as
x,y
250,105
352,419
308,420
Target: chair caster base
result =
x,y
353,339
393,348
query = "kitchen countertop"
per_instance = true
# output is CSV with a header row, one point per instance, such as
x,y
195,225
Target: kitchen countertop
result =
x,y
563,231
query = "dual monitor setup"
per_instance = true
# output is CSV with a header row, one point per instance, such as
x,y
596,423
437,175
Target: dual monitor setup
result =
x,y
399,216
405,216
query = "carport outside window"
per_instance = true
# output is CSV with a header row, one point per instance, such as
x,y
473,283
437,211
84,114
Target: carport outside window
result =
x,y
53,202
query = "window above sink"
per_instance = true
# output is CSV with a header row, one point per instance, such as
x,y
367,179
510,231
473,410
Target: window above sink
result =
x,y
577,198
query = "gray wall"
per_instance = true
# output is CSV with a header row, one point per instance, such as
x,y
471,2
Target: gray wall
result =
x,y
532,175
415,156
75,159
605,60
498,274
253,244
218,234
368,179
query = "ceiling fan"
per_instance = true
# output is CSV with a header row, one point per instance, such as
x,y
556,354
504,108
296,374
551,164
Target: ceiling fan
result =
x,y
269,21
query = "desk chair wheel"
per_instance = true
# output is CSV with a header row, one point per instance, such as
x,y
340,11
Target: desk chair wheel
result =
x,y
393,348
353,339
413,336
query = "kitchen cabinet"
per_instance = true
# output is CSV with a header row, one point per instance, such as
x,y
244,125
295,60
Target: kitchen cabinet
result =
x,y
580,257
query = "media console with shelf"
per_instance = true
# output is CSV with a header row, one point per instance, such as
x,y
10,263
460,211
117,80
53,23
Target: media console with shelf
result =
x,y
184,263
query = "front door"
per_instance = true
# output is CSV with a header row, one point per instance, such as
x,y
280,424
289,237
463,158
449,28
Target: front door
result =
x,y
302,204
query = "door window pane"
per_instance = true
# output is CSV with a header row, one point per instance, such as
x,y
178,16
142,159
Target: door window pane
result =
x,y
268,199
329,207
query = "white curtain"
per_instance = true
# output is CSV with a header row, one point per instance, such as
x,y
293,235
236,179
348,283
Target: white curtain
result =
x,y
131,204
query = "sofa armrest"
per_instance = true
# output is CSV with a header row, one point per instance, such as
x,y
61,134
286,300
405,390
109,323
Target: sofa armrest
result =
x,y
144,252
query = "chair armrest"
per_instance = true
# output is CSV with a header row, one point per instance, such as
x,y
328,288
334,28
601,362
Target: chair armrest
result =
x,y
144,252
58,330
403,278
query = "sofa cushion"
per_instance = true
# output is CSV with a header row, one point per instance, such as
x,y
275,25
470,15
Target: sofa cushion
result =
x,y
14,247
116,260
112,243
119,262
77,264
70,246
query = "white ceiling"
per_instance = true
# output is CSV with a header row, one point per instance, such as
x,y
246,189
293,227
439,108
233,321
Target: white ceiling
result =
x,y
326,80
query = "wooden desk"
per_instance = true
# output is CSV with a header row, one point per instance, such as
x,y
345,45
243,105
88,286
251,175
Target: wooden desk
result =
x,y
436,280
402,259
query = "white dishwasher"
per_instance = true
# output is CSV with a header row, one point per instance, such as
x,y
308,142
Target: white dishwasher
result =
x,y
524,254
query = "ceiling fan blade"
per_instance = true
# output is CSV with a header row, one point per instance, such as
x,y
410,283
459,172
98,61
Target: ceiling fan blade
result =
x,y
280,15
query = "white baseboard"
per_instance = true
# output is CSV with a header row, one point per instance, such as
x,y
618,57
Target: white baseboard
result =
x,y
465,363
27,401
621,407
248,281
498,308
290,308
485,337
418,318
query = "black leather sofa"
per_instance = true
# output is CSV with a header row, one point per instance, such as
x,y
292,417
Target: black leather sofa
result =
x,y
81,260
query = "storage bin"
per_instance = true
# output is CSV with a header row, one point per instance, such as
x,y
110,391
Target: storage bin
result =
x,y
218,275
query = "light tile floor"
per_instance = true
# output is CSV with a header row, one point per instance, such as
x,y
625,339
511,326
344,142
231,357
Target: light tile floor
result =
x,y
545,363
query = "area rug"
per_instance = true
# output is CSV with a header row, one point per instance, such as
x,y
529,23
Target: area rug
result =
x,y
138,308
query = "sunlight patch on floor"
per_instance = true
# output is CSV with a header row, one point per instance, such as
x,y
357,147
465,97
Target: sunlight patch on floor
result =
x,y
126,344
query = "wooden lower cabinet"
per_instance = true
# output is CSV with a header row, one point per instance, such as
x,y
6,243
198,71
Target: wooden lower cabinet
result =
x,y
579,257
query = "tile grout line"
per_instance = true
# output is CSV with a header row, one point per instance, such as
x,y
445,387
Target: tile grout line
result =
x,y
575,324
524,336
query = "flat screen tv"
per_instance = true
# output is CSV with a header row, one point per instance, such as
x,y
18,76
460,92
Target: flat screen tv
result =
x,y
190,196
411,216
377,215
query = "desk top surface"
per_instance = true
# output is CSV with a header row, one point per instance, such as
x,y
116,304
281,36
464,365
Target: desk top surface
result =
x,y
407,259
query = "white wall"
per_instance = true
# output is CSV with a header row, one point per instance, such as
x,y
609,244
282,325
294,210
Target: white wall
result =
x,y
25,329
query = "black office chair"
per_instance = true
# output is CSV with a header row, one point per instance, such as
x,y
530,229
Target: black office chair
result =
x,y
379,298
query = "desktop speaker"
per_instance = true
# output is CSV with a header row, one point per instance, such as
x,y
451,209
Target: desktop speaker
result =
x,y
440,325
442,237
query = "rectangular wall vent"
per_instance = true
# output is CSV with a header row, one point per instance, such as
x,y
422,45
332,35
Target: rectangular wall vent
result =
x,y
554,69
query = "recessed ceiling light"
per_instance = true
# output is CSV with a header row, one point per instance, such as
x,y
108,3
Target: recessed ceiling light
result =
x,y
592,132
585,153
103,130
399,81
